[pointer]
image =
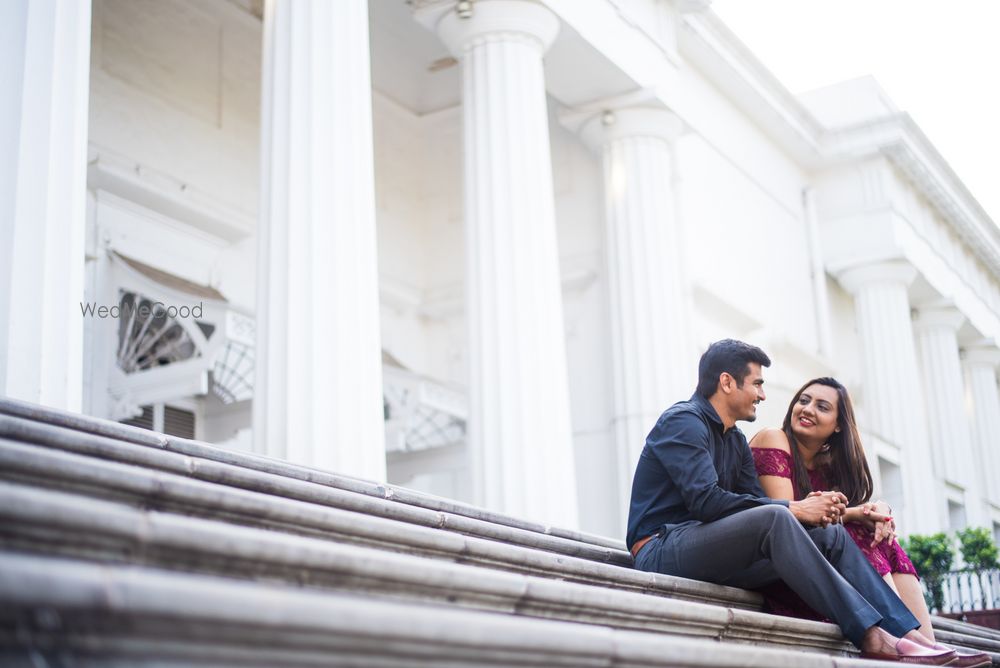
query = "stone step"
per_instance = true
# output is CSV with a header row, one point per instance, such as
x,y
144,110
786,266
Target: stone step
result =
x,y
63,612
211,464
189,485
48,522
194,478
402,495
961,634
957,626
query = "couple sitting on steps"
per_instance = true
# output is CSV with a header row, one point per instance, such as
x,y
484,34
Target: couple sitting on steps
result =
x,y
804,532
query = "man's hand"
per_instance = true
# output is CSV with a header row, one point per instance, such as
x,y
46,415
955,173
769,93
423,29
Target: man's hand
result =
x,y
820,508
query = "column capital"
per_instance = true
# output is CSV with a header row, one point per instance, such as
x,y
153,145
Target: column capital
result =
x,y
982,353
938,316
623,122
859,276
518,19
638,113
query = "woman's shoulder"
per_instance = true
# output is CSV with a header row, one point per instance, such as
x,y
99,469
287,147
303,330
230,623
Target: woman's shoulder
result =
x,y
771,438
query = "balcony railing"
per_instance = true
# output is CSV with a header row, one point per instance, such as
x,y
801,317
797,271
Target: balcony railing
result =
x,y
964,590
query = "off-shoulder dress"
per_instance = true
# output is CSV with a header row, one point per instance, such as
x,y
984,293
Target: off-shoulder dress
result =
x,y
884,558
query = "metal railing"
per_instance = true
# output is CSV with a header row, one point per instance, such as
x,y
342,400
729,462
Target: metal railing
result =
x,y
964,590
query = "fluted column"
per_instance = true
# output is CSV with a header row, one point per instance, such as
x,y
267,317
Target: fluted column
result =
x,y
318,385
649,321
45,70
948,430
981,364
519,425
893,399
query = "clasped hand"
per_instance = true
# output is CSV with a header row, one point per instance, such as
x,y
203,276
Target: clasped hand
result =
x,y
820,508
876,517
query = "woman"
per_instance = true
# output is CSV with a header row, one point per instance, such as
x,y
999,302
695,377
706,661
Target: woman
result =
x,y
818,448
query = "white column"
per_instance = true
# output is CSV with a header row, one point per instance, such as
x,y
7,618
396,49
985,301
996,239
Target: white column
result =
x,y
892,393
519,426
45,69
951,450
981,364
649,318
318,382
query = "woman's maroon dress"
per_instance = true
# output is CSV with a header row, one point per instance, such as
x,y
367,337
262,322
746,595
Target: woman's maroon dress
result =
x,y
883,557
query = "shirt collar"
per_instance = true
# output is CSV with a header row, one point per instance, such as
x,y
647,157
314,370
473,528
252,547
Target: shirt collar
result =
x,y
709,410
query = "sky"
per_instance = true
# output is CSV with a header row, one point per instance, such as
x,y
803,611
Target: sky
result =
x,y
938,61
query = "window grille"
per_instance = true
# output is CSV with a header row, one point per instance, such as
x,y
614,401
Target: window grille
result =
x,y
178,422
165,419
145,420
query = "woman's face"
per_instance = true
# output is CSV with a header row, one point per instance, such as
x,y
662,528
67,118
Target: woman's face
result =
x,y
814,414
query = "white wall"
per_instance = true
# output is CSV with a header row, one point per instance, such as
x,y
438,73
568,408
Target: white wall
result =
x,y
175,85
175,90
400,182
745,245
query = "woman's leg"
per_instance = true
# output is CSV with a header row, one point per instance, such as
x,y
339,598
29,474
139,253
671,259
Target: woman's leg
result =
x,y
892,583
908,588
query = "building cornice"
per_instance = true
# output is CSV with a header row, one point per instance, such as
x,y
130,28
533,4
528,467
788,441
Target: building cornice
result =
x,y
898,138
719,53
709,44
931,174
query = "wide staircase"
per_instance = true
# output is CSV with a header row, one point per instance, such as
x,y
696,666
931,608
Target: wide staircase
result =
x,y
124,547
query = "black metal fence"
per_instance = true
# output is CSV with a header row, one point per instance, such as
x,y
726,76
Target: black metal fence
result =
x,y
964,590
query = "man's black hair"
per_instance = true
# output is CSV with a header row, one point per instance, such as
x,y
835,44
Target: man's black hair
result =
x,y
729,356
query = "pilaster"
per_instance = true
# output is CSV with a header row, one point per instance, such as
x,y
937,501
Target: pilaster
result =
x,y
649,315
319,376
936,327
45,63
981,362
519,423
894,401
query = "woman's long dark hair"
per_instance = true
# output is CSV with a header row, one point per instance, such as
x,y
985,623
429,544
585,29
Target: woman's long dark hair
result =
x,y
848,470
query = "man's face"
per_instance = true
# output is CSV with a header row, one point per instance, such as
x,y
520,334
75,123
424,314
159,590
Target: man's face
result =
x,y
743,400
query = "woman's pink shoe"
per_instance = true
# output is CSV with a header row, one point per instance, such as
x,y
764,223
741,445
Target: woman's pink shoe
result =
x,y
912,653
968,659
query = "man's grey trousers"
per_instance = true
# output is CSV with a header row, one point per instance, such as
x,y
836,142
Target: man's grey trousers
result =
x,y
759,546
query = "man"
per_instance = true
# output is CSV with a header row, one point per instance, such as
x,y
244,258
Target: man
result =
x,y
697,511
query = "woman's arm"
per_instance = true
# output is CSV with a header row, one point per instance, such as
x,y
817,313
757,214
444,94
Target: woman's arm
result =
x,y
818,508
876,516
868,513
774,486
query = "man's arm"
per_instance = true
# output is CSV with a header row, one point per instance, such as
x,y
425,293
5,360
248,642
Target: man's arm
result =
x,y
680,443
818,509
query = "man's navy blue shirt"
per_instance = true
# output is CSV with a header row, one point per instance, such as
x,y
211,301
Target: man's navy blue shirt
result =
x,y
691,471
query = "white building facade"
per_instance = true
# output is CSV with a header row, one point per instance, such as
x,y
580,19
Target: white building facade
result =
x,y
476,248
